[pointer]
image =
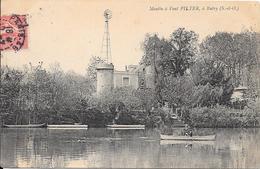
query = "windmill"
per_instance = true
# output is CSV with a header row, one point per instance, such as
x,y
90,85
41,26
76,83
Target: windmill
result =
x,y
106,47
105,71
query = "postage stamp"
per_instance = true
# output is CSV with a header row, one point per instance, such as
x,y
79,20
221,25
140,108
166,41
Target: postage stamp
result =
x,y
13,32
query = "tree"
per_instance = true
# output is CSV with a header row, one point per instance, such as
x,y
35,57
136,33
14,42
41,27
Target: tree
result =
x,y
235,51
91,70
10,102
184,49
153,48
178,91
212,86
207,70
169,57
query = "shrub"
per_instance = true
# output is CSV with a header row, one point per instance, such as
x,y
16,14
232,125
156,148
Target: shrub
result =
x,y
98,118
220,116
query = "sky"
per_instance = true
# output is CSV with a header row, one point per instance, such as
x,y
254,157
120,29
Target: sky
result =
x,y
70,32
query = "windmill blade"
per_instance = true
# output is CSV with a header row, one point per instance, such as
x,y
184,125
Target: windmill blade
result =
x,y
108,14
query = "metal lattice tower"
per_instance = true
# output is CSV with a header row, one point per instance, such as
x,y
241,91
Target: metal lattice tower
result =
x,y
106,46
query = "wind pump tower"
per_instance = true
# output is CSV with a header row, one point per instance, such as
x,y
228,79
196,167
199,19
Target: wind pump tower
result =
x,y
106,46
105,71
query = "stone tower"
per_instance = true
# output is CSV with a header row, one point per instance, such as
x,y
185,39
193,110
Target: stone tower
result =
x,y
105,77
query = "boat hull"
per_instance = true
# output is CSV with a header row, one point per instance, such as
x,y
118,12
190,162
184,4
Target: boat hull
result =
x,y
188,138
186,142
67,126
126,126
26,126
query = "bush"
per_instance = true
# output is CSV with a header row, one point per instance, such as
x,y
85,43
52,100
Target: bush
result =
x,y
98,118
220,116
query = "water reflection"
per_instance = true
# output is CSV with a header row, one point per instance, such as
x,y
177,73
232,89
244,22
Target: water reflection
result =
x,y
233,148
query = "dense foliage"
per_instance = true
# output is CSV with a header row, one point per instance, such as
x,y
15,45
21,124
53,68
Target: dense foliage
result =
x,y
169,57
36,95
221,116
189,75
197,79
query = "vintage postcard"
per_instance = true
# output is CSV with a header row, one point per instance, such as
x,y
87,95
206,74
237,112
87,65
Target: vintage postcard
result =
x,y
129,84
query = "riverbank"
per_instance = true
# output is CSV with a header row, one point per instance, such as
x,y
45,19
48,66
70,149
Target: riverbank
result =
x,y
202,117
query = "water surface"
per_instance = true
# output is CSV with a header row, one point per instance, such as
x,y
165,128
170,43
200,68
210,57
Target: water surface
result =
x,y
48,148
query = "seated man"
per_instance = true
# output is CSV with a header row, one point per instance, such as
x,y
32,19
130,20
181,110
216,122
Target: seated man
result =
x,y
188,131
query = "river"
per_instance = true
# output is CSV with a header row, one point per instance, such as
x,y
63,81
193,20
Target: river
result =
x,y
98,147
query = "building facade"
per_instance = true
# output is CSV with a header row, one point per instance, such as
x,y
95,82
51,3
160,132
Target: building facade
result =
x,y
128,77
135,76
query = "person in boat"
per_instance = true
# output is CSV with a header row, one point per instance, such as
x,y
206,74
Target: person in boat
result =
x,y
190,133
188,130
116,117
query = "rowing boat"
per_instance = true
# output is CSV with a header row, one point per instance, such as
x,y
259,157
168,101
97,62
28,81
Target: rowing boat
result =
x,y
186,142
68,126
115,126
26,126
193,138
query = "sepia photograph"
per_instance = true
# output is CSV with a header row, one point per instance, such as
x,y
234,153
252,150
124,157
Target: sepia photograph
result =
x,y
129,84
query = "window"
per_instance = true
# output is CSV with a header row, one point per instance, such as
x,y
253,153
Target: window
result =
x,y
126,81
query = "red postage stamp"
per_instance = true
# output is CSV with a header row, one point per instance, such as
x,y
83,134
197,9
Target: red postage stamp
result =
x,y
13,32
